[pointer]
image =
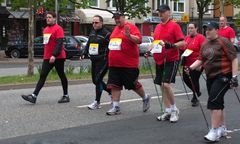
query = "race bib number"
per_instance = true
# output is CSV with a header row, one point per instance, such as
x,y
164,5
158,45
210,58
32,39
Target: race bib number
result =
x,y
157,48
187,53
46,38
115,44
93,49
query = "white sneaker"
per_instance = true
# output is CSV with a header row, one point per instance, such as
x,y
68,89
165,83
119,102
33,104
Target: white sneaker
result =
x,y
212,135
174,116
164,117
222,131
94,105
114,111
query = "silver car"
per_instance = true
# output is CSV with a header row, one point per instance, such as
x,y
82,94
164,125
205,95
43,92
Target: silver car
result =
x,y
144,46
83,40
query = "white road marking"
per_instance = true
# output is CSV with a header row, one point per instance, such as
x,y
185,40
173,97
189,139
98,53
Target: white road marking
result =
x,y
132,100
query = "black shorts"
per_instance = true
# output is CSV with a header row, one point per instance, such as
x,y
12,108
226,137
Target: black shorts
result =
x,y
217,87
127,77
166,73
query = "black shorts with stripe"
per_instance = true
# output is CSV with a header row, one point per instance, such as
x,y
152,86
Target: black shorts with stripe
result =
x,y
166,72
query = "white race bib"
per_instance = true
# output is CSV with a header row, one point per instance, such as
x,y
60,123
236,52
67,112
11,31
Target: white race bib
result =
x,y
93,49
157,48
46,38
187,53
115,44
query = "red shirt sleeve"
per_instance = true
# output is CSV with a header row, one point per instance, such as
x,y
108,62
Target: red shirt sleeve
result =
x,y
178,33
59,33
231,33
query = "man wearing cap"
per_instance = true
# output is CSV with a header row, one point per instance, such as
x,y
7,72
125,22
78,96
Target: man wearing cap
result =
x,y
123,62
169,35
219,59
226,31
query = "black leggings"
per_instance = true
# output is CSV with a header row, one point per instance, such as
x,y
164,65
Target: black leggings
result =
x,y
195,75
46,67
99,70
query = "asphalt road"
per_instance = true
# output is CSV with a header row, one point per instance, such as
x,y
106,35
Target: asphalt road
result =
x,y
50,123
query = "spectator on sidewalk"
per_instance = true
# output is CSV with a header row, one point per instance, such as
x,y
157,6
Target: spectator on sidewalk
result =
x,y
225,30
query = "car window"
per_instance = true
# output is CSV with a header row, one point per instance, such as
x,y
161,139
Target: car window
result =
x,y
145,40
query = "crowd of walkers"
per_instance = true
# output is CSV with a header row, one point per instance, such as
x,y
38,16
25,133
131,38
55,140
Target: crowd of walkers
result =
x,y
117,53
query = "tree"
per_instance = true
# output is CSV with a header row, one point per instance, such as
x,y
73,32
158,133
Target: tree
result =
x,y
132,8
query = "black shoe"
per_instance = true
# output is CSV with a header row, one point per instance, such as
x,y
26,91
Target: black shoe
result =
x,y
64,99
29,98
195,102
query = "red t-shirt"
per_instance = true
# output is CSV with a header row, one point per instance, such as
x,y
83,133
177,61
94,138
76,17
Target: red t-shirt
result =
x,y
172,33
193,44
127,56
50,34
227,32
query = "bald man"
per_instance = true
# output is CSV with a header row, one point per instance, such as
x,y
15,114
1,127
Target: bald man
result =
x,y
226,31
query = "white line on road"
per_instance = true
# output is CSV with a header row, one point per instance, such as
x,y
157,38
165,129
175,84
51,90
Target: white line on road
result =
x,y
132,100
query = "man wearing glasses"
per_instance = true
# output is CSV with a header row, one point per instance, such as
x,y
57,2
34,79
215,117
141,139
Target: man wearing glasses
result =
x,y
54,56
97,49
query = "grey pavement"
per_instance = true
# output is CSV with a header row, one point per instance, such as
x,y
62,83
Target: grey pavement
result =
x,y
50,123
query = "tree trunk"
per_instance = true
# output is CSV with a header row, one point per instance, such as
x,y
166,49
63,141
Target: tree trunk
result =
x,y
30,39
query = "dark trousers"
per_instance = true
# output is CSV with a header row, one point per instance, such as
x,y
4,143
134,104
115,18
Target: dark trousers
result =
x,y
46,67
195,75
99,70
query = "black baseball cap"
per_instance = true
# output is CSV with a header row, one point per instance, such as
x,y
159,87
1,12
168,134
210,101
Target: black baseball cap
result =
x,y
212,25
117,14
163,8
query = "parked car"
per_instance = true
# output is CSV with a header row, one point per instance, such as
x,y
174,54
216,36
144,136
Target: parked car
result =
x,y
71,45
83,40
237,43
146,42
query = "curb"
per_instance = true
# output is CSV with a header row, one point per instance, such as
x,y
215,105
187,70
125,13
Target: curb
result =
x,y
53,83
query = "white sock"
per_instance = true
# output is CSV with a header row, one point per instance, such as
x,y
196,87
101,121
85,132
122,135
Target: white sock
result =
x,y
174,107
168,110
34,95
66,95
115,103
145,97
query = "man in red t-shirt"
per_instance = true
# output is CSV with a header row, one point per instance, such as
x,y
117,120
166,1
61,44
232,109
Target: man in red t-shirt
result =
x,y
54,56
168,37
123,62
226,31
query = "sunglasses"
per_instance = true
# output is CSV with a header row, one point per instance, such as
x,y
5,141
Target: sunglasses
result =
x,y
95,22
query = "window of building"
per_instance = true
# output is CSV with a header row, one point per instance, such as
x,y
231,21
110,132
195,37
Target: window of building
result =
x,y
95,3
178,6
160,2
111,4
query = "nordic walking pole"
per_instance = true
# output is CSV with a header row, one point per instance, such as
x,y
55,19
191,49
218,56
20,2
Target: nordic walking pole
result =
x,y
194,90
236,95
160,102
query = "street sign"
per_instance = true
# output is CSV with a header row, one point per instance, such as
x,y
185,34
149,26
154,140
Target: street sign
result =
x,y
185,18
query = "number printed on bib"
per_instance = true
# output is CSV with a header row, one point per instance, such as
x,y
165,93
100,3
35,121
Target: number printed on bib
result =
x,y
93,49
46,38
115,44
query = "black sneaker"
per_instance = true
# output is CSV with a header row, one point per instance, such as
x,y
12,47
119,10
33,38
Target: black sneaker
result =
x,y
64,99
195,102
29,98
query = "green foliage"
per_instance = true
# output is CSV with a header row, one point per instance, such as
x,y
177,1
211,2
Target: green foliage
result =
x,y
132,8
